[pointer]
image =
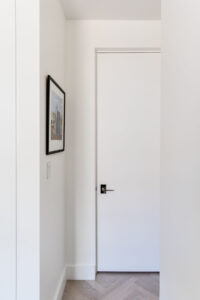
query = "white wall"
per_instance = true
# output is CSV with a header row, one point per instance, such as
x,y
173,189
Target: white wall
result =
x,y
28,150
84,37
20,153
19,192
180,204
7,153
53,198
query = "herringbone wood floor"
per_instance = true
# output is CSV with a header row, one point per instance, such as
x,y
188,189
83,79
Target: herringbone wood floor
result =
x,y
115,286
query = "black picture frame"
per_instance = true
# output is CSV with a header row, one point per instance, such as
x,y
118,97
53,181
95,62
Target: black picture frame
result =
x,y
49,84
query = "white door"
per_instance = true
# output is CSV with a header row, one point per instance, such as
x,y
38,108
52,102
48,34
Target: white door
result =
x,y
128,161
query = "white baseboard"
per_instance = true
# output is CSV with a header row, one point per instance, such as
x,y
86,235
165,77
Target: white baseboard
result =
x,y
80,272
61,286
74,272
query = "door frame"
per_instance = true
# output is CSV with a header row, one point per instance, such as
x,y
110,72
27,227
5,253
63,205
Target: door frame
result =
x,y
108,51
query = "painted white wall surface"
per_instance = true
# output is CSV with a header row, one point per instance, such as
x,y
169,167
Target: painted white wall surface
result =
x,y
180,163
28,150
19,175
53,197
7,152
84,37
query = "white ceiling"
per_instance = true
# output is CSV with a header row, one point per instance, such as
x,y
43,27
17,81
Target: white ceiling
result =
x,y
112,9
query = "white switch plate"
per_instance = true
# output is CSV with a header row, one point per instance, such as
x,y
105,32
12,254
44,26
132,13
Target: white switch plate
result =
x,y
48,170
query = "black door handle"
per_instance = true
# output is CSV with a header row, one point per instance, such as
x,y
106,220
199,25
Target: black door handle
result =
x,y
104,189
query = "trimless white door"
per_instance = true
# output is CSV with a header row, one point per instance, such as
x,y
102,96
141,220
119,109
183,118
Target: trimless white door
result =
x,y
128,161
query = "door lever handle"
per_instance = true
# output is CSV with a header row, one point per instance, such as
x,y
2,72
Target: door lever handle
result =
x,y
104,189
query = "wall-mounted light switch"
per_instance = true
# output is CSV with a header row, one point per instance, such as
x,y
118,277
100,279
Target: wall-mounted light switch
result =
x,y
48,170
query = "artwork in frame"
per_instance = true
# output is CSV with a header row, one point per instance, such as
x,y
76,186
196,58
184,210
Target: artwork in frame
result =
x,y
55,117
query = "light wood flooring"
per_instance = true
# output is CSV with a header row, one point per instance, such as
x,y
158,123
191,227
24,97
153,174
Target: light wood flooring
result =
x,y
115,286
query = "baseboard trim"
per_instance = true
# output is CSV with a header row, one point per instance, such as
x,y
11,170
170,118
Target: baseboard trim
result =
x,y
80,272
74,272
61,285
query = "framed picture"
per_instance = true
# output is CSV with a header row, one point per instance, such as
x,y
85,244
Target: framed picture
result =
x,y
55,117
